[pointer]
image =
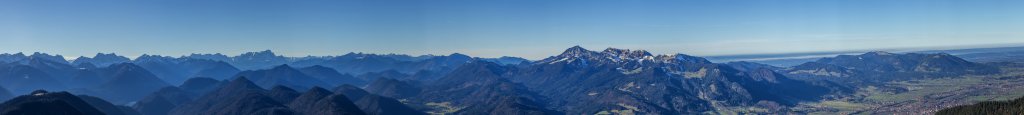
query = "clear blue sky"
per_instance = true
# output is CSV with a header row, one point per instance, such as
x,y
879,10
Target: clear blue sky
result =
x,y
490,28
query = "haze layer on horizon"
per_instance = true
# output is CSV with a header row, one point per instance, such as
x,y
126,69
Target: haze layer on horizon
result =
x,y
531,29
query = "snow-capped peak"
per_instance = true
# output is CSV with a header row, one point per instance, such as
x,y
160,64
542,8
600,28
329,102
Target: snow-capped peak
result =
x,y
626,54
576,51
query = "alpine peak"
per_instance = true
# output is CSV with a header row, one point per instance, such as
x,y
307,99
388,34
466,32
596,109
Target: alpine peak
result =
x,y
576,51
626,53
878,53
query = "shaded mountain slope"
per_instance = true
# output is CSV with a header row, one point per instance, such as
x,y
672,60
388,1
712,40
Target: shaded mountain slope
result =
x,y
24,79
4,94
45,103
154,105
393,88
375,104
239,97
107,107
283,94
319,101
128,82
478,88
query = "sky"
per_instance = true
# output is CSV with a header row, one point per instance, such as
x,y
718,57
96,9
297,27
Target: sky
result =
x,y
532,29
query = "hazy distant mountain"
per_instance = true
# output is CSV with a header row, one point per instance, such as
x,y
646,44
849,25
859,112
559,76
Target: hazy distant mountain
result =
x,y
812,70
506,60
46,103
750,66
23,79
889,62
164,67
177,70
258,60
351,63
21,58
47,57
214,57
390,74
208,68
363,63
309,60
282,75
101,60
9,58
331,76
403,57
127,82
54,66
86,78
884,66
441,63
1007,56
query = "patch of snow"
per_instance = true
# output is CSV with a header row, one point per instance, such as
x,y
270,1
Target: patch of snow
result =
x,y
819,72
629,107
559,60
627,86
697,74
583,62
634,71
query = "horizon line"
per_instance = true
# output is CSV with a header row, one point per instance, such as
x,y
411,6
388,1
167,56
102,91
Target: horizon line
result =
x,y
897,50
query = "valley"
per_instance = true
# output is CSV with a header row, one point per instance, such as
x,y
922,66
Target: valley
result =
x,y
925,96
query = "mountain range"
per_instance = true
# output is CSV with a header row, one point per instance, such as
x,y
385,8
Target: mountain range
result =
x,y
880,66
577,81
